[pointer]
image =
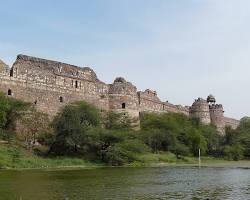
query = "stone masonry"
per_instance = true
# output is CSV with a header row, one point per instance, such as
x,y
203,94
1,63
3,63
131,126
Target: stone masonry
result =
x,y
50,85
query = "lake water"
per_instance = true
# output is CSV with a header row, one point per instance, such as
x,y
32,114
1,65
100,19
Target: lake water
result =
x,y
127,183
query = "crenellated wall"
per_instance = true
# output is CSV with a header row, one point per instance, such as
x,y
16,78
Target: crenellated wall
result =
x,y
50,85
149,101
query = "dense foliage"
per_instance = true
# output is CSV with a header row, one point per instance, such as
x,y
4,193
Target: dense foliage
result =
x,y
177,133
9,112
237,142
81,130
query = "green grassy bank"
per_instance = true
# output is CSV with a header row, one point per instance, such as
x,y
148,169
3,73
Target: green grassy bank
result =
x,y
18,158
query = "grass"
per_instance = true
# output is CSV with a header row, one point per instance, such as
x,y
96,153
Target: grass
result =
x,y
16,158
169,159
12,157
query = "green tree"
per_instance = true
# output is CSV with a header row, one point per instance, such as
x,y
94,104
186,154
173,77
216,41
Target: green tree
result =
x,y
71,125
118,121
234,152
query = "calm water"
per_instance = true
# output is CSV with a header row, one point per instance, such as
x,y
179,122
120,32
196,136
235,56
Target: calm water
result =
x,y
127,183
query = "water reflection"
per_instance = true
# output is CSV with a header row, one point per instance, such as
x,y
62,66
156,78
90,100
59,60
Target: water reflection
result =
x,y
127,183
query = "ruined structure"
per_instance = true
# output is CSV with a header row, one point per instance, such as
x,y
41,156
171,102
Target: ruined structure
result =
x,y
49,85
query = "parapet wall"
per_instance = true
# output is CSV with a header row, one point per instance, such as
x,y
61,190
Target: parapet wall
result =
x,y
149,101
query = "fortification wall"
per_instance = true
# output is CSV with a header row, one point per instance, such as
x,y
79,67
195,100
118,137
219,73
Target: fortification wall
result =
x,y
33,80
217,117
50,85
123,97
45,98
200,110
168,107
149,101
231,122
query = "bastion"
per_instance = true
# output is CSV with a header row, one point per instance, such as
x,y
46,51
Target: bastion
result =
x,y
50,85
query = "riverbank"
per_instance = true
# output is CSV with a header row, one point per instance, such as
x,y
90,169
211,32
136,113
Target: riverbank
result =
x,y
12,158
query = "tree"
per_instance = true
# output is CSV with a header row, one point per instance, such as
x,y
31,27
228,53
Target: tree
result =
x,y
71,125
213,140
118,121
234,152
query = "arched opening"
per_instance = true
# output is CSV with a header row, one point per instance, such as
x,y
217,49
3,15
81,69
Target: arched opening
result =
x,y
61,99
123,105
76,84
9,92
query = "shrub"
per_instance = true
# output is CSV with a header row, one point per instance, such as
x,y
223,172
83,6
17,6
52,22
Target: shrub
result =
x,y
124,152
234,152
71,125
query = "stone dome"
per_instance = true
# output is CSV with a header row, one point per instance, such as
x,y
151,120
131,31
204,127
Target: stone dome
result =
x,y
211,99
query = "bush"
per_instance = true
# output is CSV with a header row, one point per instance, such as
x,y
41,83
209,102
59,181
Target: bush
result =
x,y
234,152
71,125
125,152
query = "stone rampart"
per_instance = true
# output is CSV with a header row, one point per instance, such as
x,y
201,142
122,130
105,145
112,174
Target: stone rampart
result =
x,y
50,85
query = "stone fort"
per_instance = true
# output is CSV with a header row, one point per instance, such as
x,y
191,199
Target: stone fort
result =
x,y
50,85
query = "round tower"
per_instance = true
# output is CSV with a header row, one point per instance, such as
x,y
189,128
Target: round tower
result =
x,y
200,110
217,117
123,97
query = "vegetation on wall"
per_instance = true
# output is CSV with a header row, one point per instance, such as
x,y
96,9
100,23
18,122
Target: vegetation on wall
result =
x,y
81,131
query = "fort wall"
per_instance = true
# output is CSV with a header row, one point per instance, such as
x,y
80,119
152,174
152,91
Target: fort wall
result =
x,y
217,117
231,122
200,110
150,102
50,85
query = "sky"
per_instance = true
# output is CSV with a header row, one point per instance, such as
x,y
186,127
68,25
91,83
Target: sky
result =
x,y
183,49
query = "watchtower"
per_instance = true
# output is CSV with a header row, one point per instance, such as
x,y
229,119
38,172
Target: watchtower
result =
x,y
200,110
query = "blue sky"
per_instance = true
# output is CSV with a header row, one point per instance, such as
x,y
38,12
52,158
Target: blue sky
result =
x,y
183,49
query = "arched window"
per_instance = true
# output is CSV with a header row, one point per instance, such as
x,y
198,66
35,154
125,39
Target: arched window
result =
x,y
76,84
9,92
123,105
61,99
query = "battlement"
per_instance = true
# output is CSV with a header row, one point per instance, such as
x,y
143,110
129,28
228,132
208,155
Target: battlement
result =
x,y
149,95
215,106
200,100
